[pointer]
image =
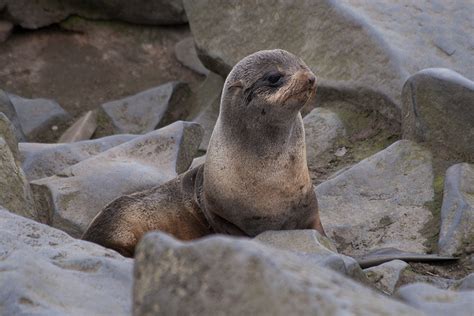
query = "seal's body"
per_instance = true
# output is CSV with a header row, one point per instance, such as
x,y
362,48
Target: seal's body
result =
x,y
255,177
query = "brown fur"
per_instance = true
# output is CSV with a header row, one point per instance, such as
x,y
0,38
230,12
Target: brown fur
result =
x,y
255,177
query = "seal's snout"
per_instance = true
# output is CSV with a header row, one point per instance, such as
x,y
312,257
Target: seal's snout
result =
x,y
311,80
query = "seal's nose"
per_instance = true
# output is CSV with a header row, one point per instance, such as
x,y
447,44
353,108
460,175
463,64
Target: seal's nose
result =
x,y
311,79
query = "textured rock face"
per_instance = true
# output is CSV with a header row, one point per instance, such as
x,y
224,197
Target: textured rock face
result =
x,y
36,14
44,160
143,112
438,108
222,275
7,132
380,202
322,130
15,192
46,272
434,301
71,199
457,212
7,108
385,276
364,50
38,116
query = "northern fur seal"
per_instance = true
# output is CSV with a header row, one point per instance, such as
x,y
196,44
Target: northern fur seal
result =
x,y
255,177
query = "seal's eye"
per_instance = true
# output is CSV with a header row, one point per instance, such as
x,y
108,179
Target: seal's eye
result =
x,y
274,79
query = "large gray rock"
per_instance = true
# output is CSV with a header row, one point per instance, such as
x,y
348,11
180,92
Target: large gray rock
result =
x,y
323,129
380,202
229,276
438,108
385,276
44,160
185,53
38,116
365,50
7,108
15,191
7,132
206,104
82,129
457,212
71,199
314,247
46,272
145,111
434,301
36,14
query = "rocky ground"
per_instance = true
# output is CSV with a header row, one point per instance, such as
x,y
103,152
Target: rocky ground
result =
x,y
98,101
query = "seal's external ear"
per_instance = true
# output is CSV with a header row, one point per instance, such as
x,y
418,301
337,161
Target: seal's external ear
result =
x,y
237,84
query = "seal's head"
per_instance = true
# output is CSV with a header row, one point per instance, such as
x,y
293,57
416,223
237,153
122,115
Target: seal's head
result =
x,y
271,83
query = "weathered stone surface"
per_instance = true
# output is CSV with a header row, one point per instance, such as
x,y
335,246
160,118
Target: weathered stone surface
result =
x,y
457,211
198,161
44,160
364,50
7,108
5,30
206,103
82,129
310,245
322,130
36,14
71,199
385,276
438,108
466,283
38,116
380,202
15,192
408,276
46,272
434,301
186,54
221,275
145,111
7,132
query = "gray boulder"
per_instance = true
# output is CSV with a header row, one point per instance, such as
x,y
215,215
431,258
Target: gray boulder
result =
x,y
82,129
438,108
7,132
44,160
39,116
7,108
457,212
36,14
434,301
323,129
364,50
71,199
46,272
467,283
232,276
185,53
145,111
380,202
15,192
385,276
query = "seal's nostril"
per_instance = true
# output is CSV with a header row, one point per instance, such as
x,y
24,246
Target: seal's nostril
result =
x,y
311,79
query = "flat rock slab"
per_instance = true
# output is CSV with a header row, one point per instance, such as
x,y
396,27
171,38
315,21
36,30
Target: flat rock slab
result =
x,y
15,191
438,108
221,275
393,40
434,301
41,160
457,212
46,272
71,199
34,15
82,129
185,52
143,112
380,202
38,117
